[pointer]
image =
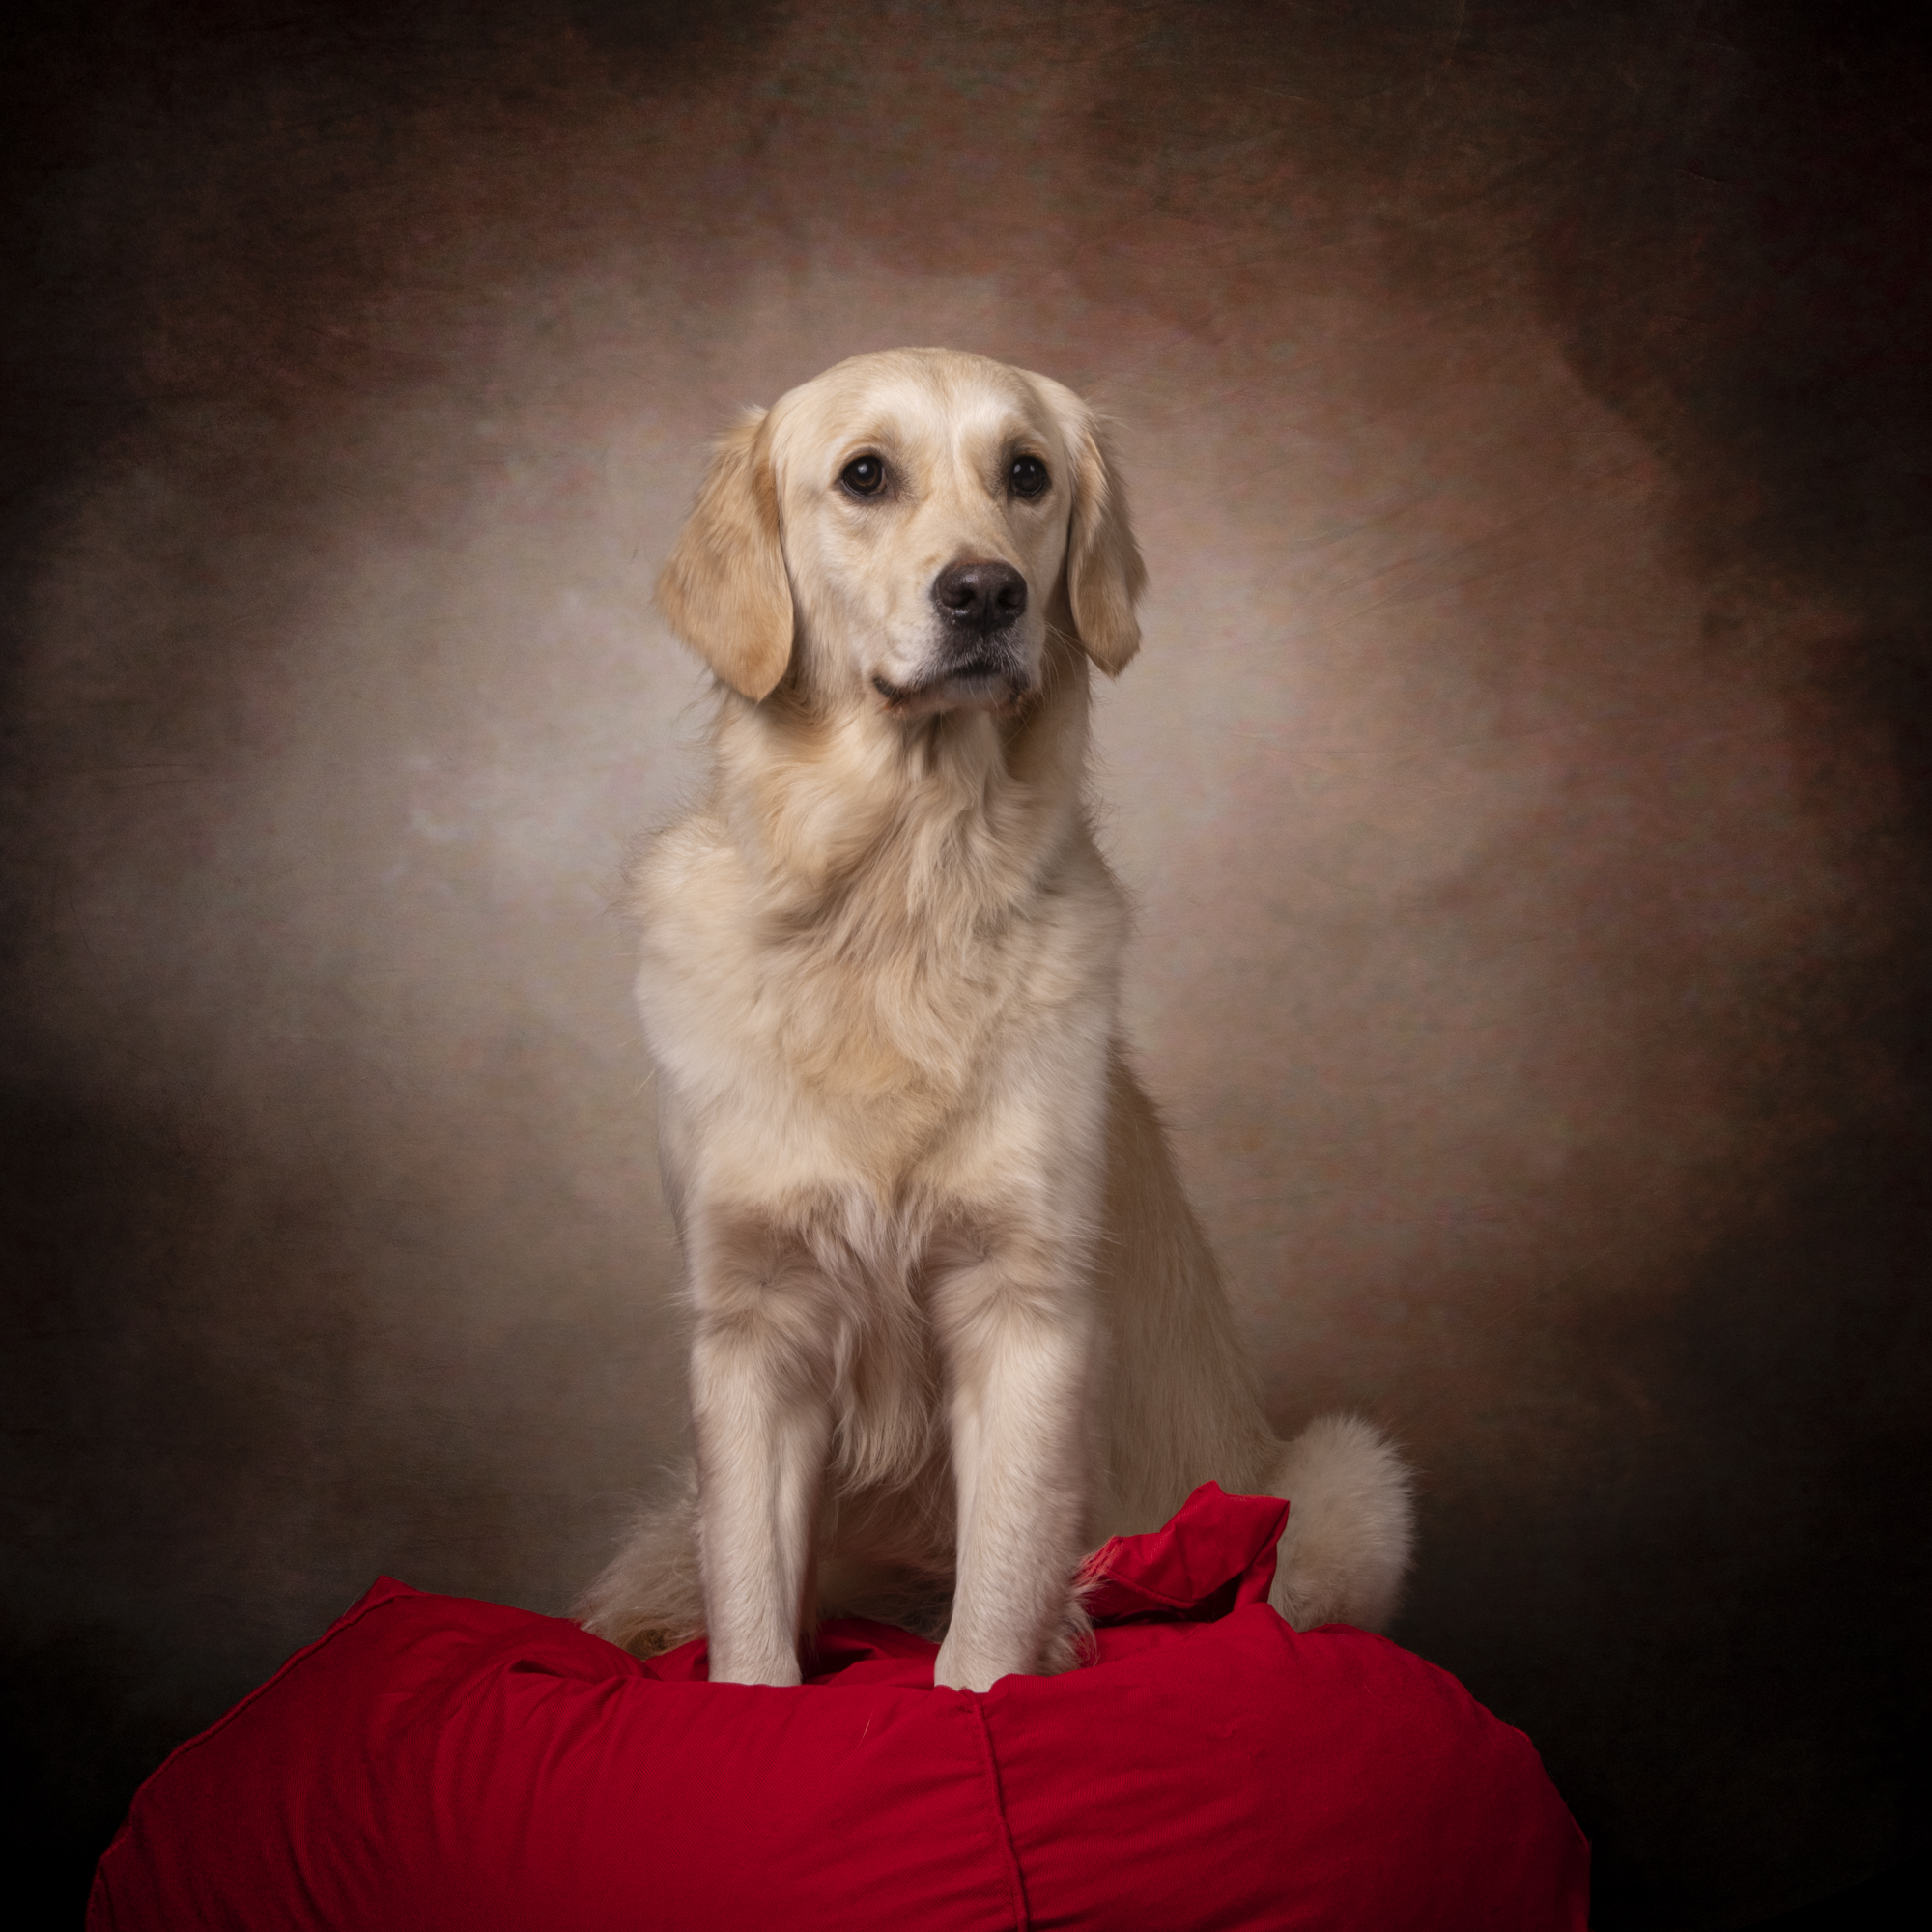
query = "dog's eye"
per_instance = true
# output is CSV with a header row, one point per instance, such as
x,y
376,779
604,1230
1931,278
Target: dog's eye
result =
x,y
864,477
1028,476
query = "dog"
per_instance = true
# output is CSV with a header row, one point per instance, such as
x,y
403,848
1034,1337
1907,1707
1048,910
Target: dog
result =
x,y
953,1319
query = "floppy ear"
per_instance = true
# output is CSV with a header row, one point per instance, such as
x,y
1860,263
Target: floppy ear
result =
x,y
722,588
1104,573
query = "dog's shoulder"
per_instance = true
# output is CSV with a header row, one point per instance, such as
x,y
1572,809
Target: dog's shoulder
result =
x,y
688,865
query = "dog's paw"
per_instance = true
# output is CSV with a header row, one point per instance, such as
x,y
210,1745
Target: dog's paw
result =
x,y
957,1668
963,1666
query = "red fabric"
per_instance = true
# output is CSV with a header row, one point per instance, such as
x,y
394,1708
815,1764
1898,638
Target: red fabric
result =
x,y
436,1763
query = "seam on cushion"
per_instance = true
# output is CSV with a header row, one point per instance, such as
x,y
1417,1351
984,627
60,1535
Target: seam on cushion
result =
x,y
996,1800
347,1621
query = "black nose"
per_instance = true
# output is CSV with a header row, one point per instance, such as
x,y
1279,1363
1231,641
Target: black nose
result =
x,y
981,596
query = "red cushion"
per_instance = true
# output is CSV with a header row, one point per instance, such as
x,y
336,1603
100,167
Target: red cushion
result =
x,y
431,1762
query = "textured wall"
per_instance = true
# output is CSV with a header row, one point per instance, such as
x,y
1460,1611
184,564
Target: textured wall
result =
x,y
1523,786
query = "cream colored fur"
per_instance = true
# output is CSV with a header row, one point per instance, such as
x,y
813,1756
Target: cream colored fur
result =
x,y
954,1322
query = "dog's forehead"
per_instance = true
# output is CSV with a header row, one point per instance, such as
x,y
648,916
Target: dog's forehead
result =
x,y
938,399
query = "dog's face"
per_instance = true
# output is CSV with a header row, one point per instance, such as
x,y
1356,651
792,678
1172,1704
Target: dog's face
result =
x,y
925,507
902,531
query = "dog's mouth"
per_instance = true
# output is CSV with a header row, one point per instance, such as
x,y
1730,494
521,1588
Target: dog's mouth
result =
x,y
984,682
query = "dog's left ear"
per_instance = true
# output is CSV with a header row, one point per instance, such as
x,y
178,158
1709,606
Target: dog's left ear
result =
x,y
1104,572
723,588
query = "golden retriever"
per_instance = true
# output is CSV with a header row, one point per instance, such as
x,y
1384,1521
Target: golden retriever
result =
x,y
954,1322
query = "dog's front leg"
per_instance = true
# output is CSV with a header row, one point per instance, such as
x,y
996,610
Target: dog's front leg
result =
x,y
761,1365
1018,1345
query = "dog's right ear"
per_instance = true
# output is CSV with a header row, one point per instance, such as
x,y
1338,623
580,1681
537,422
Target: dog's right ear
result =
x,y
723,588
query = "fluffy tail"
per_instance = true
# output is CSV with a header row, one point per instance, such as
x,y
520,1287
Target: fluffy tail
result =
x,y
1350,1527
650,1597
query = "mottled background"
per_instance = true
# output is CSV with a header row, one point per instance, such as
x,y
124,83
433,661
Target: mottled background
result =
x,y
1524,787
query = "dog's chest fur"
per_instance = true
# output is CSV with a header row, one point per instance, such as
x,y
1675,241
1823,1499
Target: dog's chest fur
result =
x,y
861,974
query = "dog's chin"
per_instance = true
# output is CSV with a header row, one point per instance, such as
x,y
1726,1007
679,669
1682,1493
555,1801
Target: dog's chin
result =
x,y
984,685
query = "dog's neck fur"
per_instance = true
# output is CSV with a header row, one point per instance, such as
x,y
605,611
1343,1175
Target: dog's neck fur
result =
x,y
851,819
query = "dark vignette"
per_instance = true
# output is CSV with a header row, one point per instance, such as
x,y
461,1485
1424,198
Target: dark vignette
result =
x,y
1723,213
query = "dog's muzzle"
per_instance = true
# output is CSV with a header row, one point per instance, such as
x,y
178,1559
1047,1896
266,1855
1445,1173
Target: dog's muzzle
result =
x,y
981,664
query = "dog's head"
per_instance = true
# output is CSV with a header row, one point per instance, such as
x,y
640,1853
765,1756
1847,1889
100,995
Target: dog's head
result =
x,y
905,529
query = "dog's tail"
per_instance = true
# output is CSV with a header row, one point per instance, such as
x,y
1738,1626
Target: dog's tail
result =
x,y
649,1598
1351,1525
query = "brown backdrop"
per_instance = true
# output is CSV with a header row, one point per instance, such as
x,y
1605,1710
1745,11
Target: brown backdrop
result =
x,y
1524,788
